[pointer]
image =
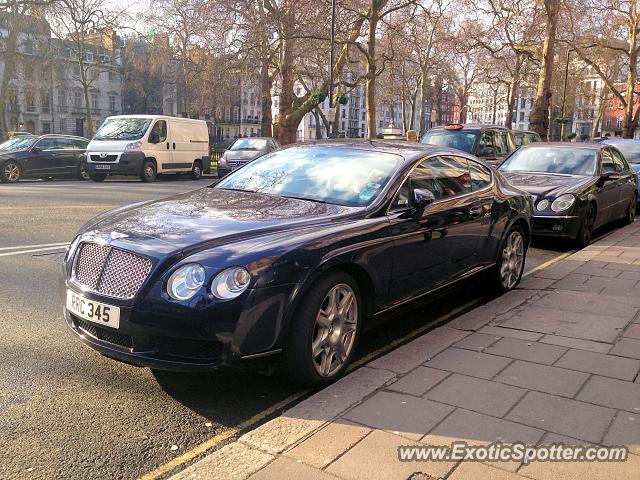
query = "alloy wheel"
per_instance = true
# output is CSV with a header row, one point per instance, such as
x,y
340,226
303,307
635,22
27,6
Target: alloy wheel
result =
x,y
587,227
335,330
512,260
12,172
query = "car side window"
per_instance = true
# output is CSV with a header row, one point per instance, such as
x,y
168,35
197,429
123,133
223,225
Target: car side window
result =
x,y
607,162
619,161
501,142
47,144
80,144
480,175
160,130
65,144
443,176
485,143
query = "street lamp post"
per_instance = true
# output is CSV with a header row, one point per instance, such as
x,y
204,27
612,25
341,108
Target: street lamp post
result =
x,y
331,53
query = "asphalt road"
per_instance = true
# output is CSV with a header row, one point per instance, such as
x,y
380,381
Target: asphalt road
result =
x,y
65,411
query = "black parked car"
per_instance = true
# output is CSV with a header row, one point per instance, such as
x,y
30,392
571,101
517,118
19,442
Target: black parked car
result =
x,y
491,143
291,257
576,188
44,156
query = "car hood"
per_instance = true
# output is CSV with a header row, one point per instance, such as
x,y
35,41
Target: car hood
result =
x,y
545,184
207,218
243,155
108,145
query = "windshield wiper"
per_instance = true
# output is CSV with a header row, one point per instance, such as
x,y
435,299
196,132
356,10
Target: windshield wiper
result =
x,y
304,198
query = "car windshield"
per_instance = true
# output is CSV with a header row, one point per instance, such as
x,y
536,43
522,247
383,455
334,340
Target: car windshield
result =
x,y
18,143
568,161
460,139
342,176
631,151
249,144
122,129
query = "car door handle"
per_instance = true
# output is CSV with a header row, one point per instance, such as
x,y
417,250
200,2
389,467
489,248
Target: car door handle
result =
x,y
174,145
167,145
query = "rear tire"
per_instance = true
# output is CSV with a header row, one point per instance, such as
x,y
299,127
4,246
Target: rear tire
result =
x,y
10,172
98,177
510,265
149,172
630,215
324,332
196,170
585,234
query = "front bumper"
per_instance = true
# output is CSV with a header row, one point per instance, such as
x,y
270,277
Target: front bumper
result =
x,y
163,335
128,163
562,226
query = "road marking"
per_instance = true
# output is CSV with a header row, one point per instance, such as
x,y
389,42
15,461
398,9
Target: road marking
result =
x,y
40,245
34,250
221,437
548,263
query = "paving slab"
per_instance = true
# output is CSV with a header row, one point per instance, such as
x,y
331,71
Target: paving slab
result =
x,y
399,413
476,364
633,331
600,364
476,394
477,471
557,381
524,350
419,381
573,281
285,468
612,393
476,341
625,430
535,283
627,347
562,415
376,458
324,446
599,347
590,303
511,333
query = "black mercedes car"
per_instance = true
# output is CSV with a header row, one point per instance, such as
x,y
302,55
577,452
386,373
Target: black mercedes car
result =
x,y
44,156
291,256
576,188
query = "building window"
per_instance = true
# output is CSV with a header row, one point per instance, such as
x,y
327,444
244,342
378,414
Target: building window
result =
x,y
46,127
77,99
89,56
522,116
111,76
62,102
44,102
31,102
62,125
112,104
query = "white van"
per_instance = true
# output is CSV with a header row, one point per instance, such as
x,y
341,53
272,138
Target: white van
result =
x,y
147,146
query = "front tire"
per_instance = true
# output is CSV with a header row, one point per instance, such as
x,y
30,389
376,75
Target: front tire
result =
x,y
82,171
585,234
10,172
510,265
149,172
324,332
196,170
630,215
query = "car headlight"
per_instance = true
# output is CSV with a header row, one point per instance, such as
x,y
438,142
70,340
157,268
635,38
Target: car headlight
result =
x,y
230,283
133,145
185,281
223,161
542,205
563,203
71,249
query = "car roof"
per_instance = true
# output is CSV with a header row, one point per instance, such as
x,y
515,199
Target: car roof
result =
x,y
255,138
469,126
410,151
587,145
58,135
620,140
530,132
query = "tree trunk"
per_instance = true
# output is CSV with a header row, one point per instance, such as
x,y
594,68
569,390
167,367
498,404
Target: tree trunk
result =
x,y
412,119
265,103
539,117
424,93
630,120
316,117
596,123
513,92
371,75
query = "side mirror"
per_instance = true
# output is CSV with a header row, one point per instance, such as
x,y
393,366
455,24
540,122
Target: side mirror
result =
x,y
422,198
36,150
611,176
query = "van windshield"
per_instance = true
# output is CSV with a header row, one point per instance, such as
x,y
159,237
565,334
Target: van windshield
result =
x,y
122,129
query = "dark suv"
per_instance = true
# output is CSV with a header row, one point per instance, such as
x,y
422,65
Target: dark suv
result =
x,y
44,156
491,143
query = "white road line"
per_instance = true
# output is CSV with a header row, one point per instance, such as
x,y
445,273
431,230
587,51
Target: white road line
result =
x,y
41,245
34,250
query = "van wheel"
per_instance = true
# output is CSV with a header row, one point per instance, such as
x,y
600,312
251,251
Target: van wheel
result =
x,y
196,171
148,174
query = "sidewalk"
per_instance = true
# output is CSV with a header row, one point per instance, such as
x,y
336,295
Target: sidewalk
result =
x,y
556,360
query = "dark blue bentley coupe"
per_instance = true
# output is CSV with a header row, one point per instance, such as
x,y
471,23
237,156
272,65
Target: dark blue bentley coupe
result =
x,y
291,257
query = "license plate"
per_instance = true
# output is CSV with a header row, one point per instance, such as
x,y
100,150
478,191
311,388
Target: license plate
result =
x,y
96,312
101,166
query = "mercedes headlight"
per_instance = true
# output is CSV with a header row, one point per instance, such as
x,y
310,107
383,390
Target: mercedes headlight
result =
x,y
133,145
185,281
563,203
230,283
542,205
